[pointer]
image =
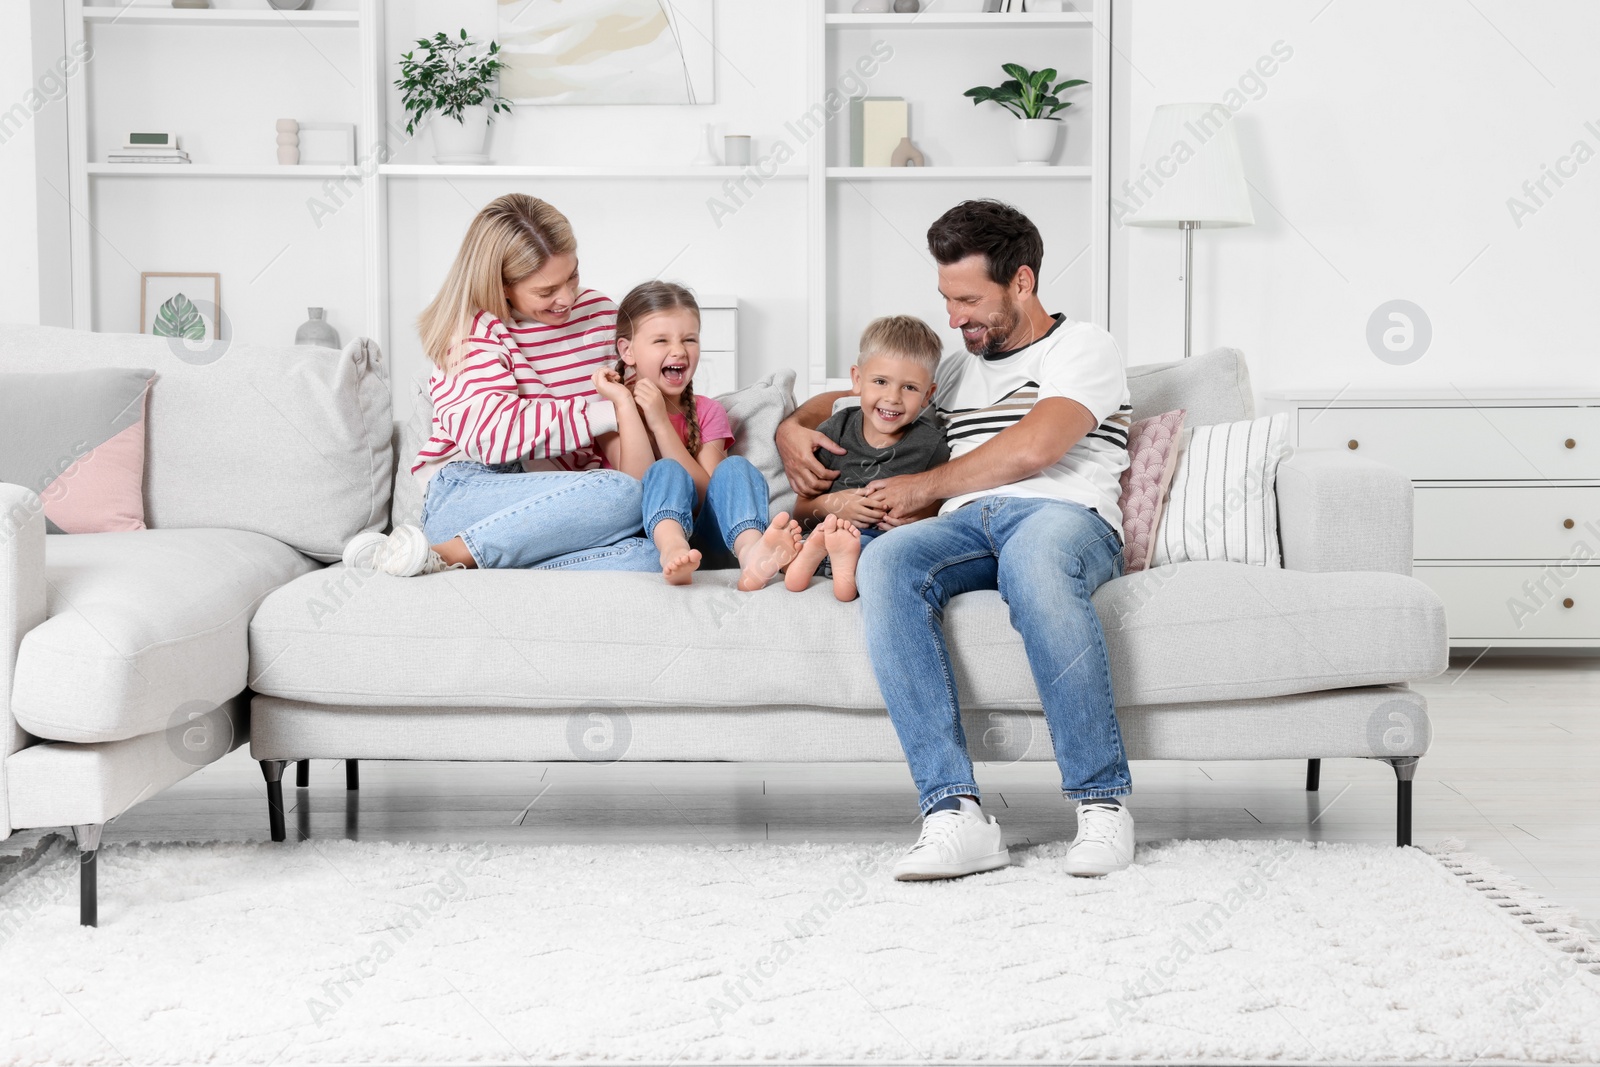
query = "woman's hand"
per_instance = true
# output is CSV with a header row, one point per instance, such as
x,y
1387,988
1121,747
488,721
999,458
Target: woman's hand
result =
x,y
797,447
608,383
652,404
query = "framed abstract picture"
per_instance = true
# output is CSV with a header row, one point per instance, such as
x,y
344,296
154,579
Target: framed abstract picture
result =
x,y
607,51
180,304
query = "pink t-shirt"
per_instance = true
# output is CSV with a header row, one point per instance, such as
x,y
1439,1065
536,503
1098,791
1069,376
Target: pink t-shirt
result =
x,y
714,425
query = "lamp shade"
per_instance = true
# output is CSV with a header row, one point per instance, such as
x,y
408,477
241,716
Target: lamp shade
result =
x,y
1190,170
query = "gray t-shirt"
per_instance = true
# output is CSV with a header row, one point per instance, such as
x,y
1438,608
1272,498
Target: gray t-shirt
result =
x,y
919,448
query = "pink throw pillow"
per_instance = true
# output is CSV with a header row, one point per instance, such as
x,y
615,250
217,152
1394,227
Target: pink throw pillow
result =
x,y
1152,457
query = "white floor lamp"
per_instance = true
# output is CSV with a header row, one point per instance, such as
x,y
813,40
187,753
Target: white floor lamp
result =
x,y
1190,176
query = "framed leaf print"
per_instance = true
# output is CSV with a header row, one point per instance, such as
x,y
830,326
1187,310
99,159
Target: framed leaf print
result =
x,y
180,304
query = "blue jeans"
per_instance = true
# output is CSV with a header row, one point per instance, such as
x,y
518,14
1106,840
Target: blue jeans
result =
x,y
1046,557
736,501
512,518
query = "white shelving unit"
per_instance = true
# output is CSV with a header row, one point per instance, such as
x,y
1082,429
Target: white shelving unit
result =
x,y
1086,185
218,17
1075,194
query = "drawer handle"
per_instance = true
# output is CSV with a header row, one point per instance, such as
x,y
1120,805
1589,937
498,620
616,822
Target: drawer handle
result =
x,y
1568,523
1571,443
1354,444
1567,603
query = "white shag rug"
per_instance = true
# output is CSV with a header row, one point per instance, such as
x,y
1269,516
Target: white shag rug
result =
x,y
1206,951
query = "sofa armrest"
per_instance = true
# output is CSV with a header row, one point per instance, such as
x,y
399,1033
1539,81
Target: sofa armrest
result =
x,y
1338,512
22,607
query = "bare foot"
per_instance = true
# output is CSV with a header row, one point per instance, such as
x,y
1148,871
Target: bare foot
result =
x,y
678,560
678,567
761,557
844,549
805,565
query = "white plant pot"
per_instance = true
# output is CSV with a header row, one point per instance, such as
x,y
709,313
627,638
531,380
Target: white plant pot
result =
x,y
1035,141
461,142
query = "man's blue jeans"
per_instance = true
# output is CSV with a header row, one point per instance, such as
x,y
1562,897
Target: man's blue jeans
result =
x,y
736,501
1046,557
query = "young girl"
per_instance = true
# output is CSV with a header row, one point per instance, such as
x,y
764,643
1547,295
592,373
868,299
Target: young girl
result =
x,y
512,473
700,504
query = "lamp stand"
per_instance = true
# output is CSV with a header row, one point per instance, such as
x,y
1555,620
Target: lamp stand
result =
x,y
1188,229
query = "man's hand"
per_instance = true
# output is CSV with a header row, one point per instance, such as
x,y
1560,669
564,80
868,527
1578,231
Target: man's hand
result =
x,y
857,506
797,446
905,497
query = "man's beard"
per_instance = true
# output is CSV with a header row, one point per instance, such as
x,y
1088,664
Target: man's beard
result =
x,y
997,338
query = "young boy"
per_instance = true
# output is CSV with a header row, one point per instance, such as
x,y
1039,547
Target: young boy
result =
x,y
883,437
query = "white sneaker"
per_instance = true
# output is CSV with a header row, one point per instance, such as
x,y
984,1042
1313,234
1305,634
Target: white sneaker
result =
x,y
360,553
1105,840
406,553
954,842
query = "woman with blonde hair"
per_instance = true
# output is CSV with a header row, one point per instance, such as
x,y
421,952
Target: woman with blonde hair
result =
x,y
512,473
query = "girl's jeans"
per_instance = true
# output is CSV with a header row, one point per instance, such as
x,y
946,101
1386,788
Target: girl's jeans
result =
x,y
736,501
1046,557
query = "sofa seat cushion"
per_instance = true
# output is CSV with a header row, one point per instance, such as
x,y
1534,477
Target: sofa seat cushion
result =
x,y
142,628
536,639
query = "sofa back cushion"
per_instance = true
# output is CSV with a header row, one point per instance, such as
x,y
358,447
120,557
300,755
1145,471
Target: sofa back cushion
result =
x,y
287,441
1211,388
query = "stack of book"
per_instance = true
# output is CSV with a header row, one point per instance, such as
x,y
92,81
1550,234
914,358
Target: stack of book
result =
x,y
148,155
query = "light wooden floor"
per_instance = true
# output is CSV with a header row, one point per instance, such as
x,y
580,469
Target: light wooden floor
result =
x,y
1513,772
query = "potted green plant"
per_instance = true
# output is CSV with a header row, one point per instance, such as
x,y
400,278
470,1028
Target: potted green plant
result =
x,y
454,81
1031,97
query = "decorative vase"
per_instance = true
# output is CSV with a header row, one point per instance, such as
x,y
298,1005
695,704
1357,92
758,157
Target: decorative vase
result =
x,y
707,156
289,5
288,142
316,331
907,154
907,7
1035,140
461,142
191,4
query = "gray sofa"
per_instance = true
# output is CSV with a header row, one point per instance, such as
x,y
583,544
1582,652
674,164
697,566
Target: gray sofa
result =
x,y
129,660
125,657
1210,660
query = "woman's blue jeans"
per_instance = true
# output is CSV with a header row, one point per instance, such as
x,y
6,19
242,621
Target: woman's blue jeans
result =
x,y
736,501
1046,557
509,517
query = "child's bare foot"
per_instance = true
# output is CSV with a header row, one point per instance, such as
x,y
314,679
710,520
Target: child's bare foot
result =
x,y
678,560
764,555
678,567
805,565
844,550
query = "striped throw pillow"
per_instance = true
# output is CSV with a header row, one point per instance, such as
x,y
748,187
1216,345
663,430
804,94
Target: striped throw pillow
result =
x,y
1223,504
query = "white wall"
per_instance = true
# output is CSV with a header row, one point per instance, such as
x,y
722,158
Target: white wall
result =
x,y
1382,154
19,243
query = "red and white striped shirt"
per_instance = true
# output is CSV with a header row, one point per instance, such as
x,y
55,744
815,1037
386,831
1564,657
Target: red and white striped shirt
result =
x,y
521,391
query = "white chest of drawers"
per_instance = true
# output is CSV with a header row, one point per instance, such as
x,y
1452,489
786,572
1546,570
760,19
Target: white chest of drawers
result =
x,y
1507,512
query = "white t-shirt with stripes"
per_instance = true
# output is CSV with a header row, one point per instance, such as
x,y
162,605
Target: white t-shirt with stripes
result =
x,y
520,391
980,396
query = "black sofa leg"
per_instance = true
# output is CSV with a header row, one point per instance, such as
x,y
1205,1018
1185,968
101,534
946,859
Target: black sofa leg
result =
x,y
272,770
88,838
302,774
1313,775
1405,769
352,774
